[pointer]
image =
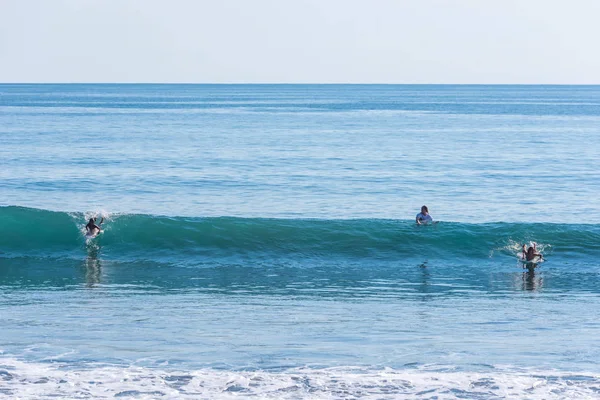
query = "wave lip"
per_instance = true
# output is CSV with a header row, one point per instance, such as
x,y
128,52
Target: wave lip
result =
x,y
27,231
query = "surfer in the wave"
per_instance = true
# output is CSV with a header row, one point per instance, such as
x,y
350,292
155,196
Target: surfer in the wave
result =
x,y
423,217
529,254
91,228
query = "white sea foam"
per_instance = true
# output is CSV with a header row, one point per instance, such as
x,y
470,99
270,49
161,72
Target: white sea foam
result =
x,y
24,380
515,248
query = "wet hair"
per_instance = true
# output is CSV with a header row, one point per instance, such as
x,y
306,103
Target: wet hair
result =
x,y
424,208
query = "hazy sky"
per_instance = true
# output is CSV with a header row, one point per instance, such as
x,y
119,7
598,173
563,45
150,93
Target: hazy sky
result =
x,y
300,41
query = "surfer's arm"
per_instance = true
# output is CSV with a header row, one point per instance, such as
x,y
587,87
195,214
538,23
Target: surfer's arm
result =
x,y
535,253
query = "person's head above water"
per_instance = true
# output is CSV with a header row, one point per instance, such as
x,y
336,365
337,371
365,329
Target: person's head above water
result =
x,y
424,210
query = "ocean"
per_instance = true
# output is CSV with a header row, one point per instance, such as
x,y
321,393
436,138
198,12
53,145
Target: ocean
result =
x,y
260,241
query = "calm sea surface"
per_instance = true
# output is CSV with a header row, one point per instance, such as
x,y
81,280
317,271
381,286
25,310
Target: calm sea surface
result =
x,y
260,241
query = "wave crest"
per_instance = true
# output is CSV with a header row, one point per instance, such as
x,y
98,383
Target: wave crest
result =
x,y
34,231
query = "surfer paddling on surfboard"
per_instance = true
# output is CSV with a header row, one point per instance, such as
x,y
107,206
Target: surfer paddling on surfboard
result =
x,y
423,217
91,228
531,253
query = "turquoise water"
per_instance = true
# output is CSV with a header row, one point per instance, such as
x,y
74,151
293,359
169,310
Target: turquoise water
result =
x,y
260,241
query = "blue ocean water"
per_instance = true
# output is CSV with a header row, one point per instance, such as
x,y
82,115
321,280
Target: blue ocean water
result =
x,y
259,241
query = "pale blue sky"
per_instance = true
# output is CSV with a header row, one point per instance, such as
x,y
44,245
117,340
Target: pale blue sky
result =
x,y
300,41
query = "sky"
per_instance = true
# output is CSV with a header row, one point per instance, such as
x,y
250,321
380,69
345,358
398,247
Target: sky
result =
x,y
300,41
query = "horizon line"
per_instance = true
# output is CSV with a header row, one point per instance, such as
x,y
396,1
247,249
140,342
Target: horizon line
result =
x,y
300,83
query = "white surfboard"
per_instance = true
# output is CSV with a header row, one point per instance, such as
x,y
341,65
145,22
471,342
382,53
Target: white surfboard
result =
x,y
93,233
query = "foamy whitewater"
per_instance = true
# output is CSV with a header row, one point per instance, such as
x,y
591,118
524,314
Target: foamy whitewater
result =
x,y
259,242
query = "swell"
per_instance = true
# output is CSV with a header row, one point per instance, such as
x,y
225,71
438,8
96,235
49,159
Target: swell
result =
x,y
35,232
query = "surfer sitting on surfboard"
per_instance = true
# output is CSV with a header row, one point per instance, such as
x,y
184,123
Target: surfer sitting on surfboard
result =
x,y
423,217
530,254
91,228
